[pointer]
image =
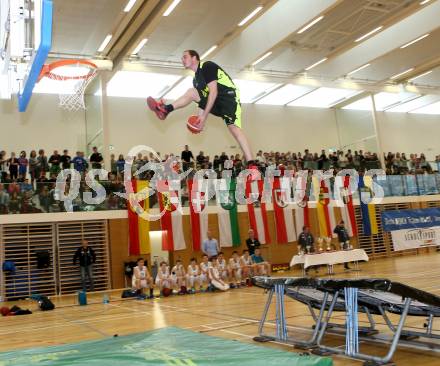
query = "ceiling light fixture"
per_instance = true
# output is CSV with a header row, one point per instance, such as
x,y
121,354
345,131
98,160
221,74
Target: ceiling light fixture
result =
x,y
316,64
424,74
311,24
139,46
402,73
208,52
416,40
266,55
358,69
369,33
250,16
129,5
105,43
171,8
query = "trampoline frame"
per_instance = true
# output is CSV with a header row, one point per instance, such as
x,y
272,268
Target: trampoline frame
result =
x,y
326,309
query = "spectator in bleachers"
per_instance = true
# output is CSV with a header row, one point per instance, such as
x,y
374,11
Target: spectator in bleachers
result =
x,y
79,163
44,199
26,186
186,156
42,165
27,205
259,157
96,159
223,158
322,160
238,164
200,159
13,187
22,166
66,160
424,164
14,203
54,162
41,182
3,164
113,164
33,165
120,163
13,166
4,200
217,163
139,162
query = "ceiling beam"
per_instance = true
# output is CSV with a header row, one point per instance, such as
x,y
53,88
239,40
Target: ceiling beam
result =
x,y
420,69
142,25
423,21
270,30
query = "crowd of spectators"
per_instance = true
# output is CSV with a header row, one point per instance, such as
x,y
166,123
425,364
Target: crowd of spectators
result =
x,y
27,184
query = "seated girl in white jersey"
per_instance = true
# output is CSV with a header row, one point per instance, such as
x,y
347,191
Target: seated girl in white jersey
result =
x,y
193,276
204,272
214,276
223,267
141,278
178,276
235,269
164,280
248,267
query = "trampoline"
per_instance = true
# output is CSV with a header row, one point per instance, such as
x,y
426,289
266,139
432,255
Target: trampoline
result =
x,y
372,297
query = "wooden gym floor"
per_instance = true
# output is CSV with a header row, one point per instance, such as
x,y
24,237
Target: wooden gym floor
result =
x,y
232,315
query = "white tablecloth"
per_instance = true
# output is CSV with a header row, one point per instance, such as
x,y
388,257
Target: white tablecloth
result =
x,y
329,258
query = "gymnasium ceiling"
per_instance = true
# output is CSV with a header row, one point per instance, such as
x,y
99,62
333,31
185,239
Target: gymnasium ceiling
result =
x,y
81,26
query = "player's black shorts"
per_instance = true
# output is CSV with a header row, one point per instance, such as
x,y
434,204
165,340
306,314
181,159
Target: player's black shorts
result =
x,y
226,107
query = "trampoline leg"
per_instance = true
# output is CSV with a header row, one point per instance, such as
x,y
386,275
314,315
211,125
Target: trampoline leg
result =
x,y
396,338
312,313
266,310
370,319
319,320
387,320
324,325
281,326
429,325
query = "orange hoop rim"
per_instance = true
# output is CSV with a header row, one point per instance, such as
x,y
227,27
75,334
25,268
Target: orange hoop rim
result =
x,y
47,70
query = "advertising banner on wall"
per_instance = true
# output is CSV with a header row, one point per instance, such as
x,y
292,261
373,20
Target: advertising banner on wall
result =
x,y
410,219
415,238
412,229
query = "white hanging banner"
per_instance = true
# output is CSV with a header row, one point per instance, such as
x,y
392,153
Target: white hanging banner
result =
x,y
415,238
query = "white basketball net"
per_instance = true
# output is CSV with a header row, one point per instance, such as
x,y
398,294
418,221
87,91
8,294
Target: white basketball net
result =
x,y
71,95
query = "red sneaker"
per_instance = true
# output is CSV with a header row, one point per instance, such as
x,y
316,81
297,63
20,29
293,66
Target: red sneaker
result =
x,y
157,107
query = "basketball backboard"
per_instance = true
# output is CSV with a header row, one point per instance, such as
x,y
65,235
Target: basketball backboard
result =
x,y
25,42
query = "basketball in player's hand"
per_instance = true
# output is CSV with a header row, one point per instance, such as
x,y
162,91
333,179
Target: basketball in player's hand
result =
x,y
194,125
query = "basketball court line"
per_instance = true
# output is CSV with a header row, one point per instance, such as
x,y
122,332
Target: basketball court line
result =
x,y
87,326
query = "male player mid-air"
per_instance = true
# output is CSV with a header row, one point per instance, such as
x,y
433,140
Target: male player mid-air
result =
x,y
214,92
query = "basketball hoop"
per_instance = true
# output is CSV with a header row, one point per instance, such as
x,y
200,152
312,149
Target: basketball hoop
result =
x,y
78,74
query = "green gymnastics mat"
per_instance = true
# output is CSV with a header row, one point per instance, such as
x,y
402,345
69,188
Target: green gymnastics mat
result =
x,y
167,346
